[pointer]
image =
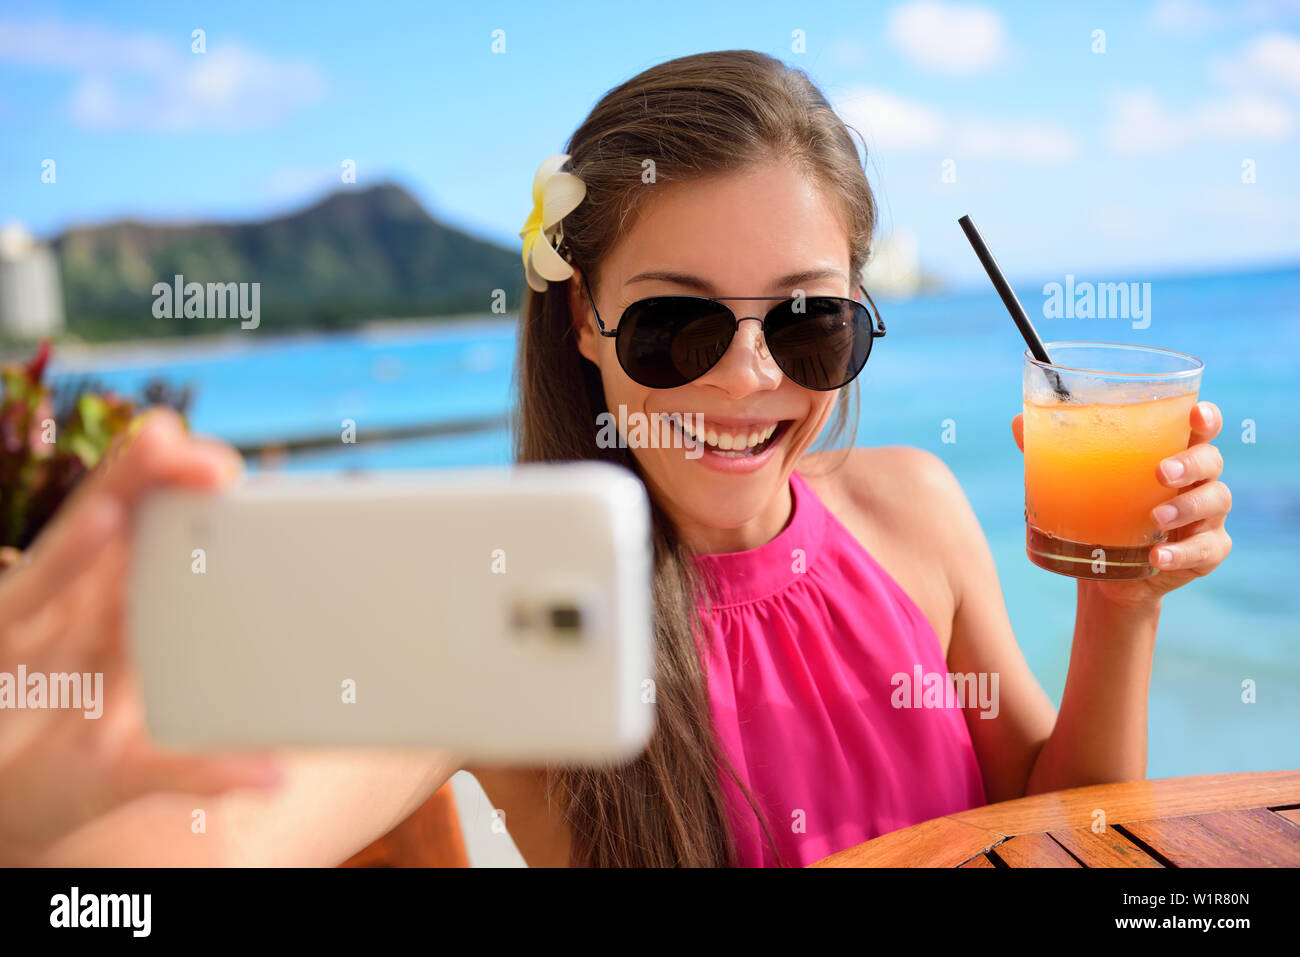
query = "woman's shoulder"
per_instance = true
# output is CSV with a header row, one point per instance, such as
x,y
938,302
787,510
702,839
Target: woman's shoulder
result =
x,y
893,483
905,506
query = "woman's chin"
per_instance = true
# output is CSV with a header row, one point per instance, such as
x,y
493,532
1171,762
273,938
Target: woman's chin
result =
x,y
720,501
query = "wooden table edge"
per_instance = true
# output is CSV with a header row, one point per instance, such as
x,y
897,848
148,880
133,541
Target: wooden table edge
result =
x,y
1121,802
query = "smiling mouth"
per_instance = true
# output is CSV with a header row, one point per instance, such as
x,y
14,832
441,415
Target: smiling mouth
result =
x,y
730,443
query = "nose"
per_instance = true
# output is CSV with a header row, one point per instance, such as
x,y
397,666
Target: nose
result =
x,y
747,366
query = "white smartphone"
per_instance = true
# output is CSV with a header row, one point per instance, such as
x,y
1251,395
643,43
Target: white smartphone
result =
x,y
503,614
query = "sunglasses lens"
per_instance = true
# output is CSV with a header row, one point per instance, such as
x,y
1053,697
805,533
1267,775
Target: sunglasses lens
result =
x,y
668,341
825,345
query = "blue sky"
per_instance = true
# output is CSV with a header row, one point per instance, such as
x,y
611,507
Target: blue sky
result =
x,y
1123,164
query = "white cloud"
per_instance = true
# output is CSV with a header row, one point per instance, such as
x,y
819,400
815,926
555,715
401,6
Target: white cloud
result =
x,y
1249,111
1252,207
1198,17
891,122
1270,61
850,54
69,46
1245,118
888,121
1142,123
142,81
1184,17
954,38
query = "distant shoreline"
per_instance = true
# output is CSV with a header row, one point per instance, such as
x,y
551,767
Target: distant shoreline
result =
x,y
79,357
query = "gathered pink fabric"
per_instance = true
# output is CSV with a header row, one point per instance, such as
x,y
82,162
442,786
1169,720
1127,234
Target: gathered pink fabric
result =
x,y
808,634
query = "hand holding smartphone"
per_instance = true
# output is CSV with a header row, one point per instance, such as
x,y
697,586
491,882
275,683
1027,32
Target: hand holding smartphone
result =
x,y
503,614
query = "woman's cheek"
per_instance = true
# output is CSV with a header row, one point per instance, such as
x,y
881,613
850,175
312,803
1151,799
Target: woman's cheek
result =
x,y
812,425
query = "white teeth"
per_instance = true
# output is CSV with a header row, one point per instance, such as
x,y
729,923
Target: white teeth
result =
x,y
723,441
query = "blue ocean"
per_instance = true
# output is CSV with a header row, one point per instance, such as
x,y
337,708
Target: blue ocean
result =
x,y
948,368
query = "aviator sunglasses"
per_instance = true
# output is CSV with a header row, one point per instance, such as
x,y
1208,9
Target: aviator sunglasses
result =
x,y
819,342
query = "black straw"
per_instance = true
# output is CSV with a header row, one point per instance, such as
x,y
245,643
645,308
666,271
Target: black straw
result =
x,y
1013,305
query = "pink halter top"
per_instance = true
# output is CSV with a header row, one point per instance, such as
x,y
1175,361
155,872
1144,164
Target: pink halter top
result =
x,y
808,634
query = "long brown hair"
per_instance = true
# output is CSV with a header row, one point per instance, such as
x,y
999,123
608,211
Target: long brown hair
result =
x,y
698,115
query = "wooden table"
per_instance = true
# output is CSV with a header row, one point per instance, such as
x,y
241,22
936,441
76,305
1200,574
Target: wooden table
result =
x,y
1216,820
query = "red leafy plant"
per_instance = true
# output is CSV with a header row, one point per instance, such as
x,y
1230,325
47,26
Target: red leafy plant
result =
x,y
42,458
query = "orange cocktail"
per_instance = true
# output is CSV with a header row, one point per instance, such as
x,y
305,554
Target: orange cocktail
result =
x,y
1098,420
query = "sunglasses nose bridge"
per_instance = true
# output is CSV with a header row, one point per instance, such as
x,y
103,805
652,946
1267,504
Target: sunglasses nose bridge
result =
x,y
760,341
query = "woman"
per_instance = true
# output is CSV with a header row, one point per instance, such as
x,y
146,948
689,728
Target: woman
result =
x,y
791,586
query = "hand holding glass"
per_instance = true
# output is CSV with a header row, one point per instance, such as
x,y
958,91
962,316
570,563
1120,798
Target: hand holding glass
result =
x,y
1098,420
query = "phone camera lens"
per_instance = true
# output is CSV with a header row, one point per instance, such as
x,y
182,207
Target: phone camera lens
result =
x,y
566,620
556,619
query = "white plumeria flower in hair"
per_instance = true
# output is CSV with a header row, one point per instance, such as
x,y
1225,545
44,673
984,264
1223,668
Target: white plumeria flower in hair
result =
x,y
555,195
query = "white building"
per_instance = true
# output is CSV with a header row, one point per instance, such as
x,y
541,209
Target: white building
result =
x,y
31,302
894,269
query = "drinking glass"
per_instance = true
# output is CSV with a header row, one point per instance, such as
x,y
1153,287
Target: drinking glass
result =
x,y
1098,420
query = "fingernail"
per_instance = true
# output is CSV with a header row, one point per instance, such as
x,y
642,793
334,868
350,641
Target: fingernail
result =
x,y
1164,514
1164,556
1206,412
1173,469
